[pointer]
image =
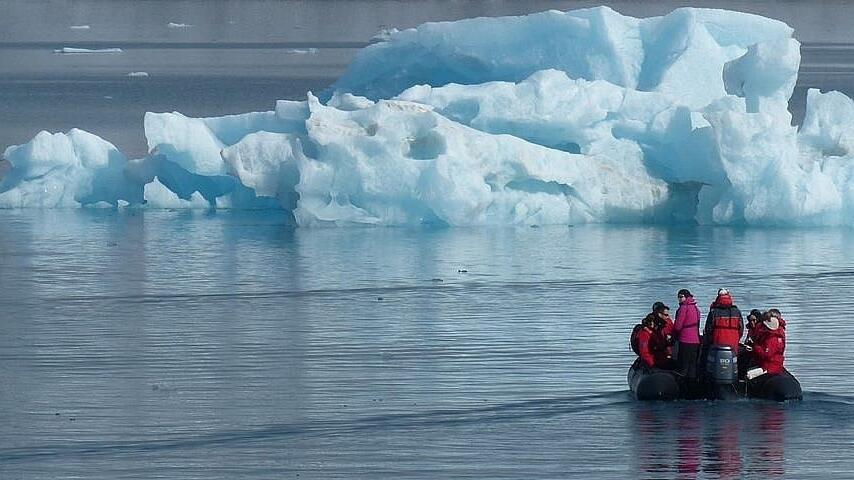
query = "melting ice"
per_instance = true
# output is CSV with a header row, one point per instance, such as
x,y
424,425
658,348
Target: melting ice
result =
x,y
555,117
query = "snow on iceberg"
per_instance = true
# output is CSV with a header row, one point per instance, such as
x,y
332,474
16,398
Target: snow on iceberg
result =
x,y
399,162
681,54
62,170
302,51
554,117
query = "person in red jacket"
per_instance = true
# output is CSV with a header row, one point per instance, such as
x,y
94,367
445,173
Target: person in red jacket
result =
x,y
652,344
745,353
769,342
724,324
665,323
754,319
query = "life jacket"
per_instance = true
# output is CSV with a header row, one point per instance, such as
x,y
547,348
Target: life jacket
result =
x,y
633,340
726,326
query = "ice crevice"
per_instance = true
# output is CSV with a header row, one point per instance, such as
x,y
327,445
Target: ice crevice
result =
x,y
549,118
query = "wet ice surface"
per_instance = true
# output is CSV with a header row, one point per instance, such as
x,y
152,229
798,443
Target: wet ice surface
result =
x,y
181,345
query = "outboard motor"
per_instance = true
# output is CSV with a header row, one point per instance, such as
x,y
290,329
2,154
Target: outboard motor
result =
x,y
722,370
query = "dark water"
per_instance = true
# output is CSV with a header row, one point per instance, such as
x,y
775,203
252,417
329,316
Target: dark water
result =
x,y
226,345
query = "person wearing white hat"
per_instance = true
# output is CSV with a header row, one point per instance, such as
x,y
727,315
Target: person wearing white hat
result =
x,y
769,342
724,323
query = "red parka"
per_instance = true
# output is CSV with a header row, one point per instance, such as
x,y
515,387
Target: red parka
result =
x,y
751,332
724,324
667,328
653,348
769,346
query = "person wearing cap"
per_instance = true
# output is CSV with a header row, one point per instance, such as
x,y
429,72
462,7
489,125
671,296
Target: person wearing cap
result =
x,y
724,323
686,332
769,342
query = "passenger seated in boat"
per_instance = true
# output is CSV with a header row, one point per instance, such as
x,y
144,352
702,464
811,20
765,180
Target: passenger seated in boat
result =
x,y
653,350
754,318
662,317
769,342
745,351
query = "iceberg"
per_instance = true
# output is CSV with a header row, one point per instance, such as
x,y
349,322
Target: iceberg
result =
x,y
85,51
682,53
302,51
159,196
549,118
65,170
399,162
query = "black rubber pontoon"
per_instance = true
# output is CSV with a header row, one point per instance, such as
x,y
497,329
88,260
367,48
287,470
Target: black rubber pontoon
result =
x,y
780,387
656,384
653,384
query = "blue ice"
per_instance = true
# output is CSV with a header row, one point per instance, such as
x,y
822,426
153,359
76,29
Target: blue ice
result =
x,y
550,118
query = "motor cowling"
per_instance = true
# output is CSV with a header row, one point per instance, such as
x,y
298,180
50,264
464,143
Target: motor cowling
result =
x,y
722,365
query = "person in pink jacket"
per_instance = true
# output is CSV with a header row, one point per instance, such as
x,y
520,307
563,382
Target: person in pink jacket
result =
x,y
686,332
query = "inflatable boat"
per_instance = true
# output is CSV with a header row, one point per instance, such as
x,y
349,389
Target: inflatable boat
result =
x,y
723,380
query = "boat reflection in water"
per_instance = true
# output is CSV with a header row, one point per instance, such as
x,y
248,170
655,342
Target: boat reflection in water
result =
x,y
730,440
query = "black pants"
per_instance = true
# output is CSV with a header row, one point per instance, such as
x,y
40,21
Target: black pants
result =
x,y
687,357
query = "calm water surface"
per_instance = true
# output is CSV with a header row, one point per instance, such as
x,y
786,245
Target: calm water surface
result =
x,y
228,345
